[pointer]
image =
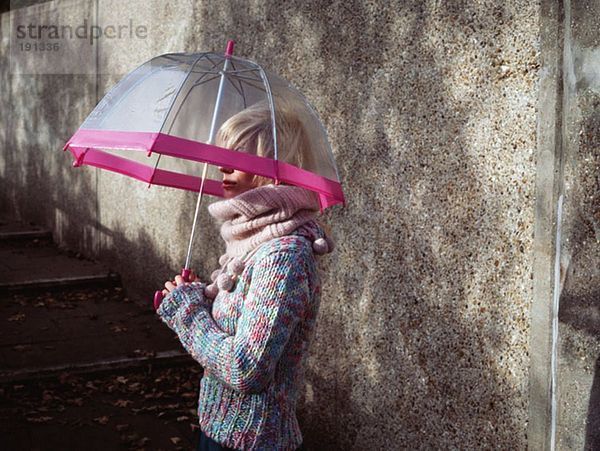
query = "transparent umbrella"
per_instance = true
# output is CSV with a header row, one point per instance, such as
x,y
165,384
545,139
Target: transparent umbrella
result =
x,y
159,125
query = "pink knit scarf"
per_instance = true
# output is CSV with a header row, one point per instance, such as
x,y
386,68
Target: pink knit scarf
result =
x,y
261,214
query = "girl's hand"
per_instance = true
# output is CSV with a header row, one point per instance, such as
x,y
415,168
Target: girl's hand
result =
x,y
171,285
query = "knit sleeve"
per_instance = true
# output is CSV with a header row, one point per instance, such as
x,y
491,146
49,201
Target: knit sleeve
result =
x,y
176,306
275,302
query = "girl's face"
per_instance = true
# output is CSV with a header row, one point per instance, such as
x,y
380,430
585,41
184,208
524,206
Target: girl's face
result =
x,y
236,182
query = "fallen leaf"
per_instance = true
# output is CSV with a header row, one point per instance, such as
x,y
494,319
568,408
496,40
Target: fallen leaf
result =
x,y
182,418
122,403
135,386
101,420
130,438
75,401
118,329
39,419
122,427
17,317
21,348
175,440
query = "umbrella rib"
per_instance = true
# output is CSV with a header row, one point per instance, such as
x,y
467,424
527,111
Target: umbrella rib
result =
x,y
263,75
232,84
174,116
231,59
154,171
200,81
177,94
240,92
206,71
241,88
218,72
239,79
169,56
248,82
239,71
260,88
242,77
208,58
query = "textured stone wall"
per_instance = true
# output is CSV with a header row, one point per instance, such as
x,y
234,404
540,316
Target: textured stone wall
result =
x,y
578,414
423,332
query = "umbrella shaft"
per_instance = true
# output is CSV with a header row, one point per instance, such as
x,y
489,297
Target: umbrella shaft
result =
x,y
213,125
198,202
211,139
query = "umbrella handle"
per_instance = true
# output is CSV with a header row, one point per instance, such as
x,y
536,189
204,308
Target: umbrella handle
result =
x,y
158,295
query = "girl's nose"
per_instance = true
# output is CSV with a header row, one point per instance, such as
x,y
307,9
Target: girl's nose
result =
x,y
225,170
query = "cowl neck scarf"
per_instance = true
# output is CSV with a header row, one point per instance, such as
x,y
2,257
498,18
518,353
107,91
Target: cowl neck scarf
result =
x,y
261,214
257,216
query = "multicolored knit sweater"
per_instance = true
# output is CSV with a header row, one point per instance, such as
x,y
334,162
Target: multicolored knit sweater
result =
x,y
252,343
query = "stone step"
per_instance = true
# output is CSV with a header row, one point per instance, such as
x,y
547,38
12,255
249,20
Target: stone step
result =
x,y
26,235
41,264
161,358
10,226
81,329
62,312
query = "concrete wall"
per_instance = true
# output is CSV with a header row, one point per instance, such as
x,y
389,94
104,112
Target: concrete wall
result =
x,y
432,110
578,403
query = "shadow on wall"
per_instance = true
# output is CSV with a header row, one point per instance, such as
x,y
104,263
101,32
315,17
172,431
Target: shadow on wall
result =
x,y
415,323
580,299
592,432
40,184
418,335
38,180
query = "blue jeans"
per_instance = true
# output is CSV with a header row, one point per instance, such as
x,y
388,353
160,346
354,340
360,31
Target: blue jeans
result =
x,y
208,444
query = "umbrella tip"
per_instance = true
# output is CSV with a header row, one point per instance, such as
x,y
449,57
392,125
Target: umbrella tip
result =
x,y
229,50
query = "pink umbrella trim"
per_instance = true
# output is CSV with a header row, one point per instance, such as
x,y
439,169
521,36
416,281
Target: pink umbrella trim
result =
x,y
84,146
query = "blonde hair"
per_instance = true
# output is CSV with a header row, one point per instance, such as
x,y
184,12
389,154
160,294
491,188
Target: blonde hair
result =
x,y
251,131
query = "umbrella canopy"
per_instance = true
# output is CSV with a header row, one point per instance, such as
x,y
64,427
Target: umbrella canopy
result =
x,y
179,109
164,118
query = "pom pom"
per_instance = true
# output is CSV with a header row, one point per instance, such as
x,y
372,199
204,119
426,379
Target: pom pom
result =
x,y
225,282
211,291
320,246
223,259
215,274
236,266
